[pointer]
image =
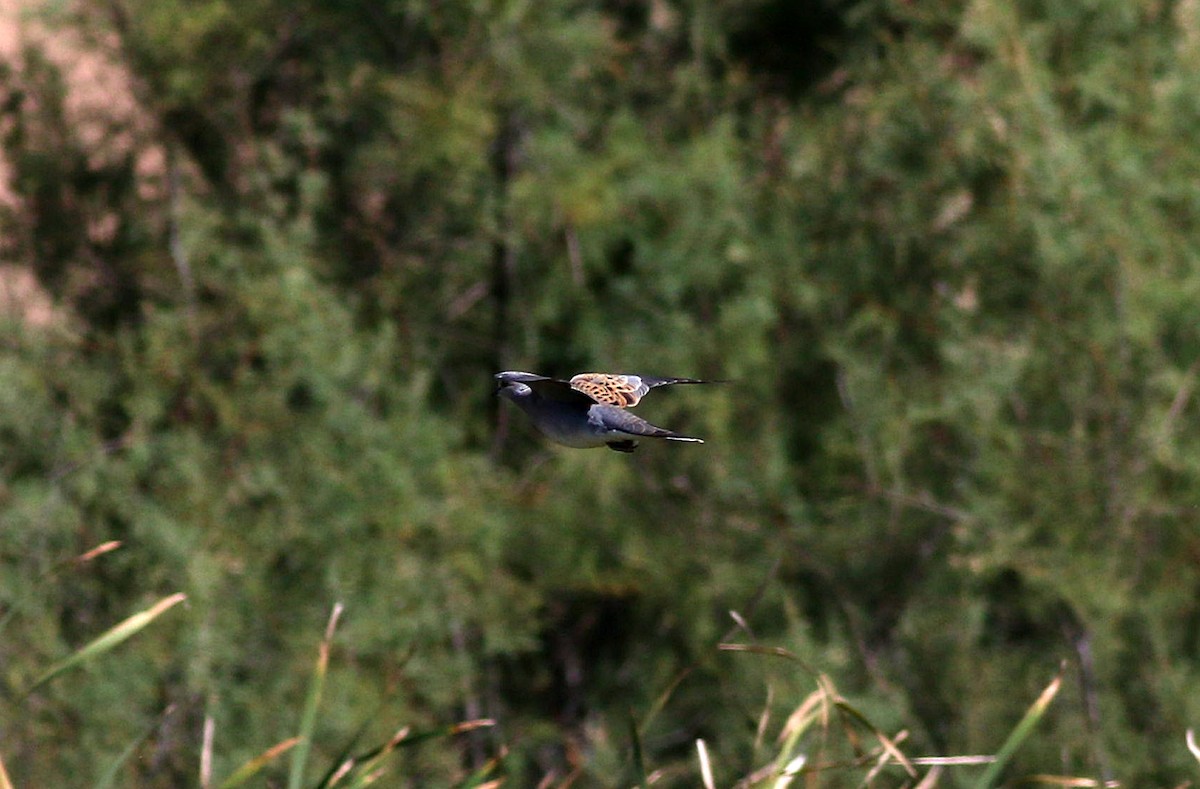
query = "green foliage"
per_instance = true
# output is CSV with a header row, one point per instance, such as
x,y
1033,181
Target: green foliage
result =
x,y
944,251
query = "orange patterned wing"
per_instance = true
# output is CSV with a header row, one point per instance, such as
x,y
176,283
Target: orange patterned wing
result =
x,y
622,391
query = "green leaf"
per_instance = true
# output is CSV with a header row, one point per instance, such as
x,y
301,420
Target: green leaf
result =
x,y
366,767
255,765
109,639
1019,734
480,776
309,722
639,761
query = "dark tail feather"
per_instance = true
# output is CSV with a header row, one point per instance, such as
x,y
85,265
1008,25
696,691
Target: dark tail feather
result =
x,y
652,381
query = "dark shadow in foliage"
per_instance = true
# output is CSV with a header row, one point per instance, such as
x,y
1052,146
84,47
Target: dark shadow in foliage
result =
x,y
591,660
1020,616
807,392
791,45
63,193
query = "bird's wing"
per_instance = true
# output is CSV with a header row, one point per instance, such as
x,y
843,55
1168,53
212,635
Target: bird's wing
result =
x,y
562,391
623,390
616,418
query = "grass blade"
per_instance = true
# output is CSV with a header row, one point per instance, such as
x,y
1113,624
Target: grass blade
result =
x,y
206,748
255,765
706,776
109,639
814,709
445,731
109,776
367,765
772,652
887,743
5,782
1019,734
87,556
1073,782
479,779
364,769
639,761
931,778
660,703
344,761
308,722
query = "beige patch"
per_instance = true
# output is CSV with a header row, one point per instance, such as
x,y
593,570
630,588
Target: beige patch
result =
x,y
100,102
618,390
21,297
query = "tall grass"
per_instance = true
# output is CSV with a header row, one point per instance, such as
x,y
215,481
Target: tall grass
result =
x,y
825,741
354,768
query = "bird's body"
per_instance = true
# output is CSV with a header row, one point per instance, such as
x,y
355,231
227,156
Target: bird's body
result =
x,y
589,410
560,423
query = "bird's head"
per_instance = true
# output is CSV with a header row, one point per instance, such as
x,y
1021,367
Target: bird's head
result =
x,y
512,384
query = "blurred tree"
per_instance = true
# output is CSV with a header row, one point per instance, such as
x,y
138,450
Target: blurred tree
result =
x,y
944,250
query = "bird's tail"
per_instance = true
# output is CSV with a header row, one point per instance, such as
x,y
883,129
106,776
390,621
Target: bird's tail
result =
x,y
653,381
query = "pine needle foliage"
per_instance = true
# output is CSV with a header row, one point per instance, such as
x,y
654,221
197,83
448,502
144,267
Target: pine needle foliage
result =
x,y
258,262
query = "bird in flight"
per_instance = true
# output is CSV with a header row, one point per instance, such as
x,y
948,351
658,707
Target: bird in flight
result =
x,y
589,410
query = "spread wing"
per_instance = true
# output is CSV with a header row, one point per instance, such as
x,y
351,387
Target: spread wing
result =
x,y
562,391
622,390
616,418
